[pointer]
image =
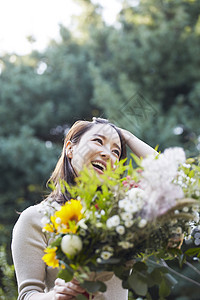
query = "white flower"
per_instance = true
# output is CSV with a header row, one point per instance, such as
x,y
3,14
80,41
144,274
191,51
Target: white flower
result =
x,y
56,205
97,214
185,209
82,224
125,245
58,220
186,166
122,203
197,193
126,216
195,208
142,223
128,223
173,221
82,232
108,248
129,236
175,154
113,221
135,193
106,255
120,229
192,180
131,207
196,216
45,220
71,244
178,230
197,242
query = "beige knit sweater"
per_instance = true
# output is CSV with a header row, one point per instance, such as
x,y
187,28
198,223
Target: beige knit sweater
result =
x,y
32,274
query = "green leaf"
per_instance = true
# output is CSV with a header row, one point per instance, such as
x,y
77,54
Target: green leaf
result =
x,y
94,286
150,281
81,297
193,251
56,242
140,266
118,270
191,173
65,274
164,289
103,287
136,159
156,276
137,283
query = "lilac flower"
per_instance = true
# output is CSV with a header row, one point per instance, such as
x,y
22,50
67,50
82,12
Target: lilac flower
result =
x,y
157,181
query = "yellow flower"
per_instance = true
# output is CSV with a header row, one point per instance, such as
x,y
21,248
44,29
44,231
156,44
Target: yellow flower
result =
x,y
51,227
69,215
50,257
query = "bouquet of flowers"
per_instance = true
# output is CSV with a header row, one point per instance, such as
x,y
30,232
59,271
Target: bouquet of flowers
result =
x,y
116,221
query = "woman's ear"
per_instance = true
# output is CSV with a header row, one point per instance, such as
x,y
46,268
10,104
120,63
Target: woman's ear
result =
x,y
68,149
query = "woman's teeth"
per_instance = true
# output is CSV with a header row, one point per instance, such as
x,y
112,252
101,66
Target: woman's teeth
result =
x,y
99,165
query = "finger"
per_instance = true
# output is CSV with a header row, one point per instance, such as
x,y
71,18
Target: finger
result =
x,y
75,287
59,281
74,280
65,290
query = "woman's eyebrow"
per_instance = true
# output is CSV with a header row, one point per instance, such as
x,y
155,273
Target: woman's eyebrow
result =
x,y
117,146
103,137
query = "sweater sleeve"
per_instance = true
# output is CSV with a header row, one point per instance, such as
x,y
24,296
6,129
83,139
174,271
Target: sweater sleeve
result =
x,y
28,246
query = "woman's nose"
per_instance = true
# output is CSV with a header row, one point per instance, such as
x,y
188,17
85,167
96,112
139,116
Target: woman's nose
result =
x,y
105,154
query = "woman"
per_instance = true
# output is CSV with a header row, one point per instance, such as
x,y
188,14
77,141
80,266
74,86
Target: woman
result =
x,y
90,144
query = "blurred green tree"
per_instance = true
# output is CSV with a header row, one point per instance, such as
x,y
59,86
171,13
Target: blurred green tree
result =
x,y
147,67
8,289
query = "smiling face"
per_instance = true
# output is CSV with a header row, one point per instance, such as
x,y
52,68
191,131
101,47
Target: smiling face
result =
x,y
97,146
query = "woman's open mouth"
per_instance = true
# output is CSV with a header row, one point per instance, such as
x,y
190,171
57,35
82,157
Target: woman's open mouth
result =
x,y
99,166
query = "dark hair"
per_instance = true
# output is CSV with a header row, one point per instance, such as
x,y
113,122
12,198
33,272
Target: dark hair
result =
x,y
64,169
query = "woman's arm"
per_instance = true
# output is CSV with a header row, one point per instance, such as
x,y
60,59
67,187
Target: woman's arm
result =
x,y
42,296
28,246
140,148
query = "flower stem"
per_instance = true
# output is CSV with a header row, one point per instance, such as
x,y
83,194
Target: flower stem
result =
x,y
90,296
192,267
174,272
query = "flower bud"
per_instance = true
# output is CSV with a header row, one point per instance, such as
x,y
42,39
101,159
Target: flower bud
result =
x,y
71,244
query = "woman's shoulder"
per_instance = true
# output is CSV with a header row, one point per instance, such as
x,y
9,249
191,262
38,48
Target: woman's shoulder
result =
x,y
31,212
35,215
30,218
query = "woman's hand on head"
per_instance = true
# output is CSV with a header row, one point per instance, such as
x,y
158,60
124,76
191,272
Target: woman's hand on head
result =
x,y
67,290
137,146
126,135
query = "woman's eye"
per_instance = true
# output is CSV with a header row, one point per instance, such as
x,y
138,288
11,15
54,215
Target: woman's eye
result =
x,y
98,140
117,152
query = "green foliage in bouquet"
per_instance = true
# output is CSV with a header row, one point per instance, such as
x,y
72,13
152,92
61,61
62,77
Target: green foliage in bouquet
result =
x,y
128,221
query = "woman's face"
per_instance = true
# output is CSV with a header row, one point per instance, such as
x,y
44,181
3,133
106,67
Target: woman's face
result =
x,y
96,147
